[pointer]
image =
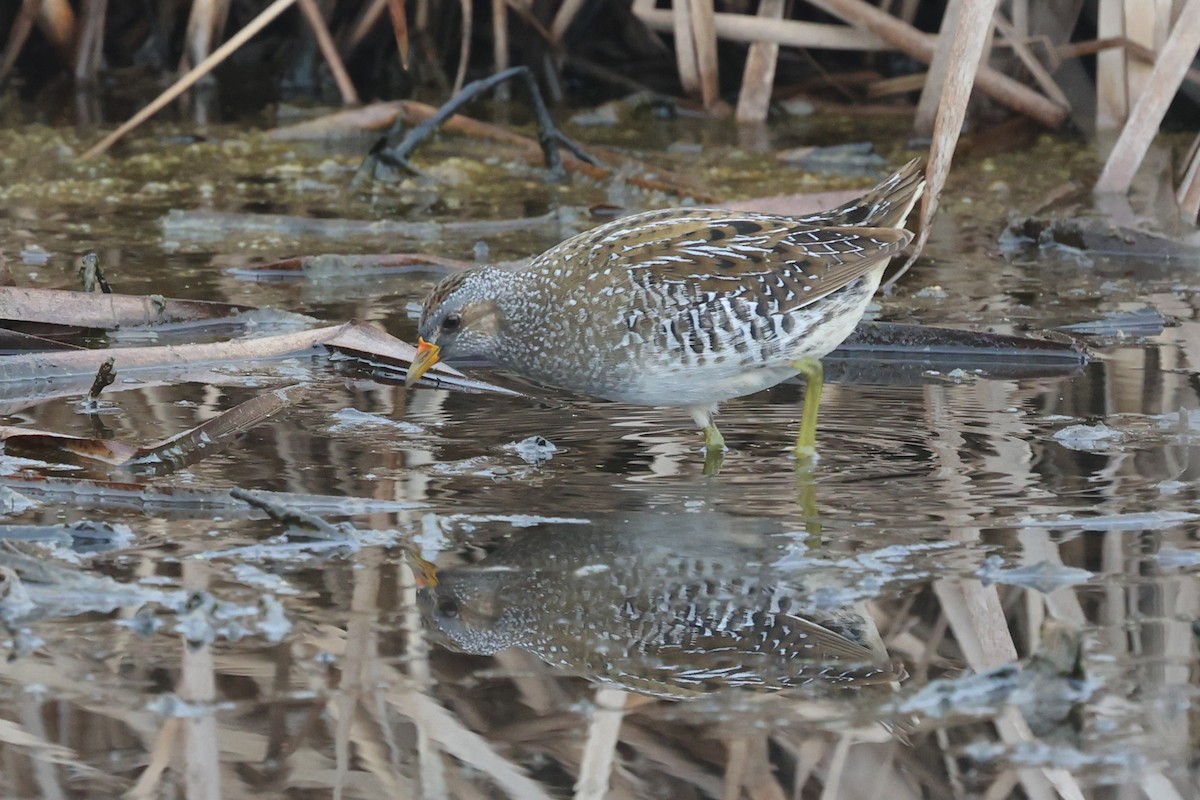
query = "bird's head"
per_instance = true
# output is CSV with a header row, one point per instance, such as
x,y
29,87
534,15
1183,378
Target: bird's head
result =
x,y
470,609
461,317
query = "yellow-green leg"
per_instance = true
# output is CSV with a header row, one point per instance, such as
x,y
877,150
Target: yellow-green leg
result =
x,y
714,450
806,440
806,492
713,440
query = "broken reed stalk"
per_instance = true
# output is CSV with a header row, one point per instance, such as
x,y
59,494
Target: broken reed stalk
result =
x,y
105,377
970,34
600,748
193,76
91,276
1112,101
563,19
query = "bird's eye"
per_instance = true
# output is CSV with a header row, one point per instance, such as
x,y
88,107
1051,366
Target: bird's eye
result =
x,y
448,607
451,322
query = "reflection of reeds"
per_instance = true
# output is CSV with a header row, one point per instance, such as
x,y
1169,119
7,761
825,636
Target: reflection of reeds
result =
x,y
197,688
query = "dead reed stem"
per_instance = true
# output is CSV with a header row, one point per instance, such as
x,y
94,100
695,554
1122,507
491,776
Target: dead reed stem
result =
x,y
759,76
969,35
1147,113
600,749
921,46
329,50
794,33
19,33
704,35
192,77
464,53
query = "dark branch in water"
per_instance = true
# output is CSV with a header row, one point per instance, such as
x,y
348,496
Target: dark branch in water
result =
x,y
549,136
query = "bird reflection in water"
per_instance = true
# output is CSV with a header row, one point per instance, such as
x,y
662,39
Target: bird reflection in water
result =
x,y
664,605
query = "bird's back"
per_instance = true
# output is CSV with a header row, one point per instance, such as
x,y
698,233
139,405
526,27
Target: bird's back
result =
x,y
702,294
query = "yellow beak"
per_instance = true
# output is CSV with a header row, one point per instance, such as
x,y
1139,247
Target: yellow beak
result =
x,y
424,572
427,356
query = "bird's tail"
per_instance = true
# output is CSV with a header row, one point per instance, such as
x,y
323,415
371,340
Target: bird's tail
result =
x,y
885,206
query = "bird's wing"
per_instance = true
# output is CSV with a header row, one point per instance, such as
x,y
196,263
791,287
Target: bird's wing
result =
x,y
887,205
715,270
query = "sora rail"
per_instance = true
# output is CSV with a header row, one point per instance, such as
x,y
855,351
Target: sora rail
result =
x,y
682,307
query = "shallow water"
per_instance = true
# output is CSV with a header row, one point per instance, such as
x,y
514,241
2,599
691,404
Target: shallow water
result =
x,y
200,649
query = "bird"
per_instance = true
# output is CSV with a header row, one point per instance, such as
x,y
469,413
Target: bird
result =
x,y
668,605
683,307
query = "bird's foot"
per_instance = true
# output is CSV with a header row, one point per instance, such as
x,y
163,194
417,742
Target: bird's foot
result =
x,y
806,455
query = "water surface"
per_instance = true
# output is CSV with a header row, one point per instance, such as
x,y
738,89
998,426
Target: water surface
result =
x,y
198,648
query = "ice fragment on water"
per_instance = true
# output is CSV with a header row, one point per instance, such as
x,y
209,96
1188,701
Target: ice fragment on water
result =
x,y
34,255
1136,521
274,624
1088,437
12,502
350,418
534,450
1173,557
1043,576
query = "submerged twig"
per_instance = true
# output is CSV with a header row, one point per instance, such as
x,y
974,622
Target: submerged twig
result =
x,y
91,276
105,376
309,524
67,311
159,457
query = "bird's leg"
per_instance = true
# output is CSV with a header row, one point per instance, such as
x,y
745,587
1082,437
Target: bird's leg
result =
x,y
806,440
806,492
714,442
713,459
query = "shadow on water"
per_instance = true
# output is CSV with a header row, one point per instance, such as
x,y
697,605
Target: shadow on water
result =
x,y
987,585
